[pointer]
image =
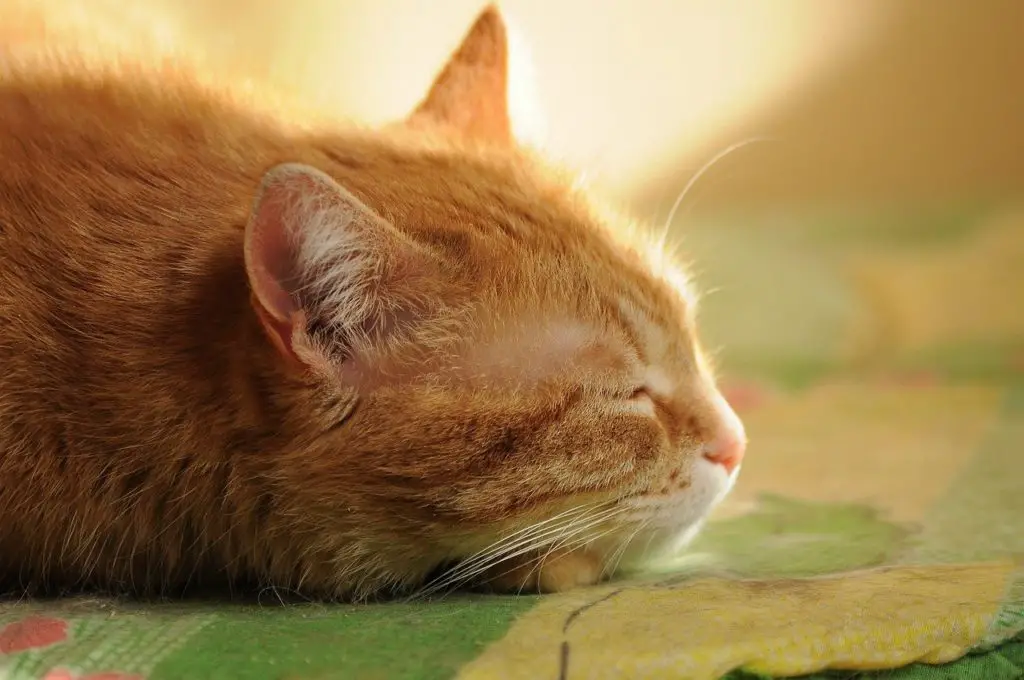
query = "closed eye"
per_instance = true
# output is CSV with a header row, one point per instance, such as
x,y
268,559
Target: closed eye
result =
x,y
640,393
641,400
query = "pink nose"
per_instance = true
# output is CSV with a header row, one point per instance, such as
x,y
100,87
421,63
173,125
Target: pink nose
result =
x,y
729,442
727,451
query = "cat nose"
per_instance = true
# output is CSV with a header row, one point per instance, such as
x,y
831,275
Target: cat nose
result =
x,y
727,451
729,443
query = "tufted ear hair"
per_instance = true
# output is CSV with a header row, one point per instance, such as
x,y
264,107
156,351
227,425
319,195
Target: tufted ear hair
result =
x,y
469,97
318,258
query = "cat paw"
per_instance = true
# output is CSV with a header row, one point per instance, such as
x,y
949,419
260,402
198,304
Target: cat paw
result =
x,y
554,573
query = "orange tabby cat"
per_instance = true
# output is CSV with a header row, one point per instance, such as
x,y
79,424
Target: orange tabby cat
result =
x,y
236,351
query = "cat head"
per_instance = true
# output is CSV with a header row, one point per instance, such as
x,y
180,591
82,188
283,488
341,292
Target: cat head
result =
x,y
487,355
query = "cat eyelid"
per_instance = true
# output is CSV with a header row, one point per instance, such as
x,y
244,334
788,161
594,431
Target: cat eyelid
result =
x,y
644,392
641,401
640,392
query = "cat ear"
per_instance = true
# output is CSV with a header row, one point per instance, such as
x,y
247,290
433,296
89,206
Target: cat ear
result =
x,y
470,96
317,257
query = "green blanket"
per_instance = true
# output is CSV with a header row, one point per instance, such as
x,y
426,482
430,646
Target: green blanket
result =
x,y
878,524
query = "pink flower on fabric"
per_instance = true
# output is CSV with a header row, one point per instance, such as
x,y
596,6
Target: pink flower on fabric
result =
x,y
63,674
35,632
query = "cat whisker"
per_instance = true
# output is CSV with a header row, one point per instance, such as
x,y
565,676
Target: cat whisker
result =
x,y
566,545
647,546
526,550
526,533
696,177
277,590
613,564
539,537
464,572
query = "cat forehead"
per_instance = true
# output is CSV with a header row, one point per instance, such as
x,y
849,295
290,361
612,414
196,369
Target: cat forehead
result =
x,y
536,350
532,346
421,185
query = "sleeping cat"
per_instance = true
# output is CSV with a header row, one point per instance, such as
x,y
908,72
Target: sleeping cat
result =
x,y
240,351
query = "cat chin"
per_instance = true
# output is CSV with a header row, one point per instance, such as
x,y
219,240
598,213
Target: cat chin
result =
x,y
661,526
629,535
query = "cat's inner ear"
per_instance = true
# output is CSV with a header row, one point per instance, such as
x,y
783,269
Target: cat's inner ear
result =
x,y
319,259
470,96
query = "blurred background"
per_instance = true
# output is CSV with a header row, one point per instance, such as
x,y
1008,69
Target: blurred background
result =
x,y
865,100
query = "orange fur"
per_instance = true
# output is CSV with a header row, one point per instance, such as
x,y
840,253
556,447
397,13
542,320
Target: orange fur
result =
x,y
189,398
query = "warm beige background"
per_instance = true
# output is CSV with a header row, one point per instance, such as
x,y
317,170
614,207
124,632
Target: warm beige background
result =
x,y
887,100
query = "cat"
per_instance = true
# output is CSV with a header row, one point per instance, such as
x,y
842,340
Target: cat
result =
x,y
241,350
